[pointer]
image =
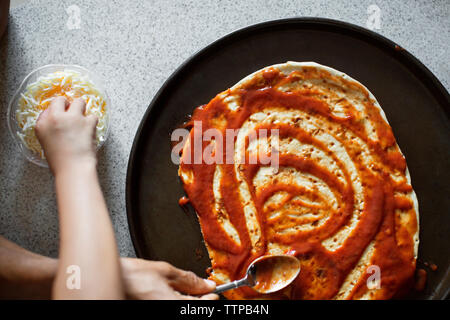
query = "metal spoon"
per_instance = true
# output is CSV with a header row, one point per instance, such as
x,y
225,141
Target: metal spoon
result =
x,y
280,270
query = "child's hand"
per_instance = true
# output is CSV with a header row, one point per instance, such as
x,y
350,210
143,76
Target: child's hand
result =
x,y
150,280
67,135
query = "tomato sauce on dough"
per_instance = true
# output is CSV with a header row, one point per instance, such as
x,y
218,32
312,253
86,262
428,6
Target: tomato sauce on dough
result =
x,y
323,272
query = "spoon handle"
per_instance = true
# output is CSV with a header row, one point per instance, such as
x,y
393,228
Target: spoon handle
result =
x,y
231,285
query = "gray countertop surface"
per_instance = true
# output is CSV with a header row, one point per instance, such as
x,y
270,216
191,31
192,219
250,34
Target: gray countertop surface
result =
x,y
134,46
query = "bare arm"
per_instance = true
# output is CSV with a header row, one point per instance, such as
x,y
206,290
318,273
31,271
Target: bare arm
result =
x,y
86,234
86,237
26,275
23,274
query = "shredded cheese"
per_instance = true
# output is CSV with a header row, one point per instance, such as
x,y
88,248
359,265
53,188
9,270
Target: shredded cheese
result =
x,y
38,95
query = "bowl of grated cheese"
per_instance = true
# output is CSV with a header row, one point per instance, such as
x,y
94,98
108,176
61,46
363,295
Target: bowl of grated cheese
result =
x,y
37,91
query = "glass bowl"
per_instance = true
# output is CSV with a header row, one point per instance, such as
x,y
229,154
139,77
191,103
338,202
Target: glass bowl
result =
x,y
13,125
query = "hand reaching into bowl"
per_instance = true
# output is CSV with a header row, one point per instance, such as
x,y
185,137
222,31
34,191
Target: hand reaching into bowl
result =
x,y
86,235
67,135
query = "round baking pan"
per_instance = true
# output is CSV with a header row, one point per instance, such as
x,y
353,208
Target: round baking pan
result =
x,y
415,102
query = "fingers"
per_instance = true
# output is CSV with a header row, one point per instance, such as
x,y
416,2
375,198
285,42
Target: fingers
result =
x,y
78,106
187,281
59,104
42,117
93,119
210,296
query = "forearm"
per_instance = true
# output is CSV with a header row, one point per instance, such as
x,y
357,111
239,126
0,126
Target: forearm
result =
x,y
86,237
23,274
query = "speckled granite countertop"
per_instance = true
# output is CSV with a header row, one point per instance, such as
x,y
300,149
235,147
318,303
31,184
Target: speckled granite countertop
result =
x,y
135,46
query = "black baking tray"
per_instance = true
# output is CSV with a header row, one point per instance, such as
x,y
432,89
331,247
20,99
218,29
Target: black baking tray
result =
x,y
415,102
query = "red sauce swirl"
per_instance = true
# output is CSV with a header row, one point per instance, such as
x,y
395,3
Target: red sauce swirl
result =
x,y
385,199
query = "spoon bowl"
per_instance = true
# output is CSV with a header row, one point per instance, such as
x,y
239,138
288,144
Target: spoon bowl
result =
x,y
267,274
